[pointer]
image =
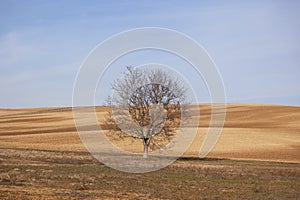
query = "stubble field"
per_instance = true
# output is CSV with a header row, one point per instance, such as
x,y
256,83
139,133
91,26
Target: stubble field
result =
x,y
256,157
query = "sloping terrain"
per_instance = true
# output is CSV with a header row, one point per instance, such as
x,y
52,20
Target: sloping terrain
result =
x,y
42,157
262,132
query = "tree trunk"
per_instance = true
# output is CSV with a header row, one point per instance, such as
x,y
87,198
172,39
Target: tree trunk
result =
x,y
146,143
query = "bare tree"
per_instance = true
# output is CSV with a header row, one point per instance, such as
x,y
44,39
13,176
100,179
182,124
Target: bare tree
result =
x,y
146,106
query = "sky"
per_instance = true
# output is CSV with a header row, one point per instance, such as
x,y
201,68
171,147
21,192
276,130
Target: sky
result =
x,y
254,44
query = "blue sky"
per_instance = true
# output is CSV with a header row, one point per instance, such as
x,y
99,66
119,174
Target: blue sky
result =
x,y
255,44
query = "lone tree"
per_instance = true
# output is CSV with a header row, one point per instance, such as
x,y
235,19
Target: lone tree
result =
x,y
146,106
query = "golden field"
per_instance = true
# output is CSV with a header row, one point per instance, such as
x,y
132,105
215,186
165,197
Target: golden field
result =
x,y
257,157
259,132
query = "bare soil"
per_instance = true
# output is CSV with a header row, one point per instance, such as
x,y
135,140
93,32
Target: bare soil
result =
x,y
256,157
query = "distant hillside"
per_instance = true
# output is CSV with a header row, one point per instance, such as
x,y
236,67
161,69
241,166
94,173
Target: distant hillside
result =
x,y
263,132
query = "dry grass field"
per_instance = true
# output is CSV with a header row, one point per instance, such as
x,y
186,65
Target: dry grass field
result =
x,y
256,157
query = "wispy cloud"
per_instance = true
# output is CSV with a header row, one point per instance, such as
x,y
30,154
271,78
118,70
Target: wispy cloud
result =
x,y
14,49
255,44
